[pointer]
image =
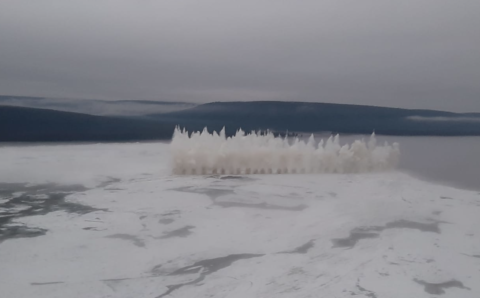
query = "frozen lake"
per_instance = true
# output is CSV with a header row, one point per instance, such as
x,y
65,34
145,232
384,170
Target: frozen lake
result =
x,y
453,161
109,220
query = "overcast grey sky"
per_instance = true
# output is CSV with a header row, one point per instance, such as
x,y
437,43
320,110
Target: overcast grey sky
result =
x,y
405,53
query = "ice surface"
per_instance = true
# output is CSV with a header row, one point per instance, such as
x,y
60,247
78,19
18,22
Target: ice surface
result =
x,y
205,153
151,234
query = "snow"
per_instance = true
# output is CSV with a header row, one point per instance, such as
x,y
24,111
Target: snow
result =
x,y
148,233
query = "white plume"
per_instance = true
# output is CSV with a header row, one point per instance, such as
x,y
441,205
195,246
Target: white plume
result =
x,y
204,153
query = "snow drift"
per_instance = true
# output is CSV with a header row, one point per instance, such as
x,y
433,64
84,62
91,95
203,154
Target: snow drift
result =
x,y
256,153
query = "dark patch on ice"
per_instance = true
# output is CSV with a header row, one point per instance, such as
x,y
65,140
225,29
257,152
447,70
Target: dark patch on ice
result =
x,y
46,283
15,230
394,263
110,180
242,178
296,270
172,288
260,206
91,229
472,256
212,193
157,270
215,193
182,232
366,292
21,200
165,221
134,239
446,198
204,268
406,224
384,273
438,288
437,212
352,239
113,282
301,249
213,265
8,189
333,194
366,232
173,212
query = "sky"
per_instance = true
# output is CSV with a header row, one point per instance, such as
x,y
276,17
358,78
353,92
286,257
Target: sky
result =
x,y
408,54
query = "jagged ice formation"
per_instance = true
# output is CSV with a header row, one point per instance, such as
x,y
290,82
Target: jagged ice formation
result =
x,y
202,153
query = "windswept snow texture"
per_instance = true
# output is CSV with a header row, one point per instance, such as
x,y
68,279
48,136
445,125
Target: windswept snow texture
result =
x,y
142,232
205,153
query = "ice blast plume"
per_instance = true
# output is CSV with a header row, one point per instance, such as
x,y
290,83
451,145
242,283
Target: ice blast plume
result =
x,y
201,153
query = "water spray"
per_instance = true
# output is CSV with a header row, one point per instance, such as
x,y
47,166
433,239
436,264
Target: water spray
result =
x,y
203,153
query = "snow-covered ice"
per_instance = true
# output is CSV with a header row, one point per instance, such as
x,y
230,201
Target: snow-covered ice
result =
x,y
109,220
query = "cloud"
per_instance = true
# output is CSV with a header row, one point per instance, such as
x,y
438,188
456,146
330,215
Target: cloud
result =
x,y
406,53
444,119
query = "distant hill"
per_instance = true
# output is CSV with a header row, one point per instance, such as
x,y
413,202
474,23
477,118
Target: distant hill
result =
x,y
39,125
323,117
42,125
95,107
